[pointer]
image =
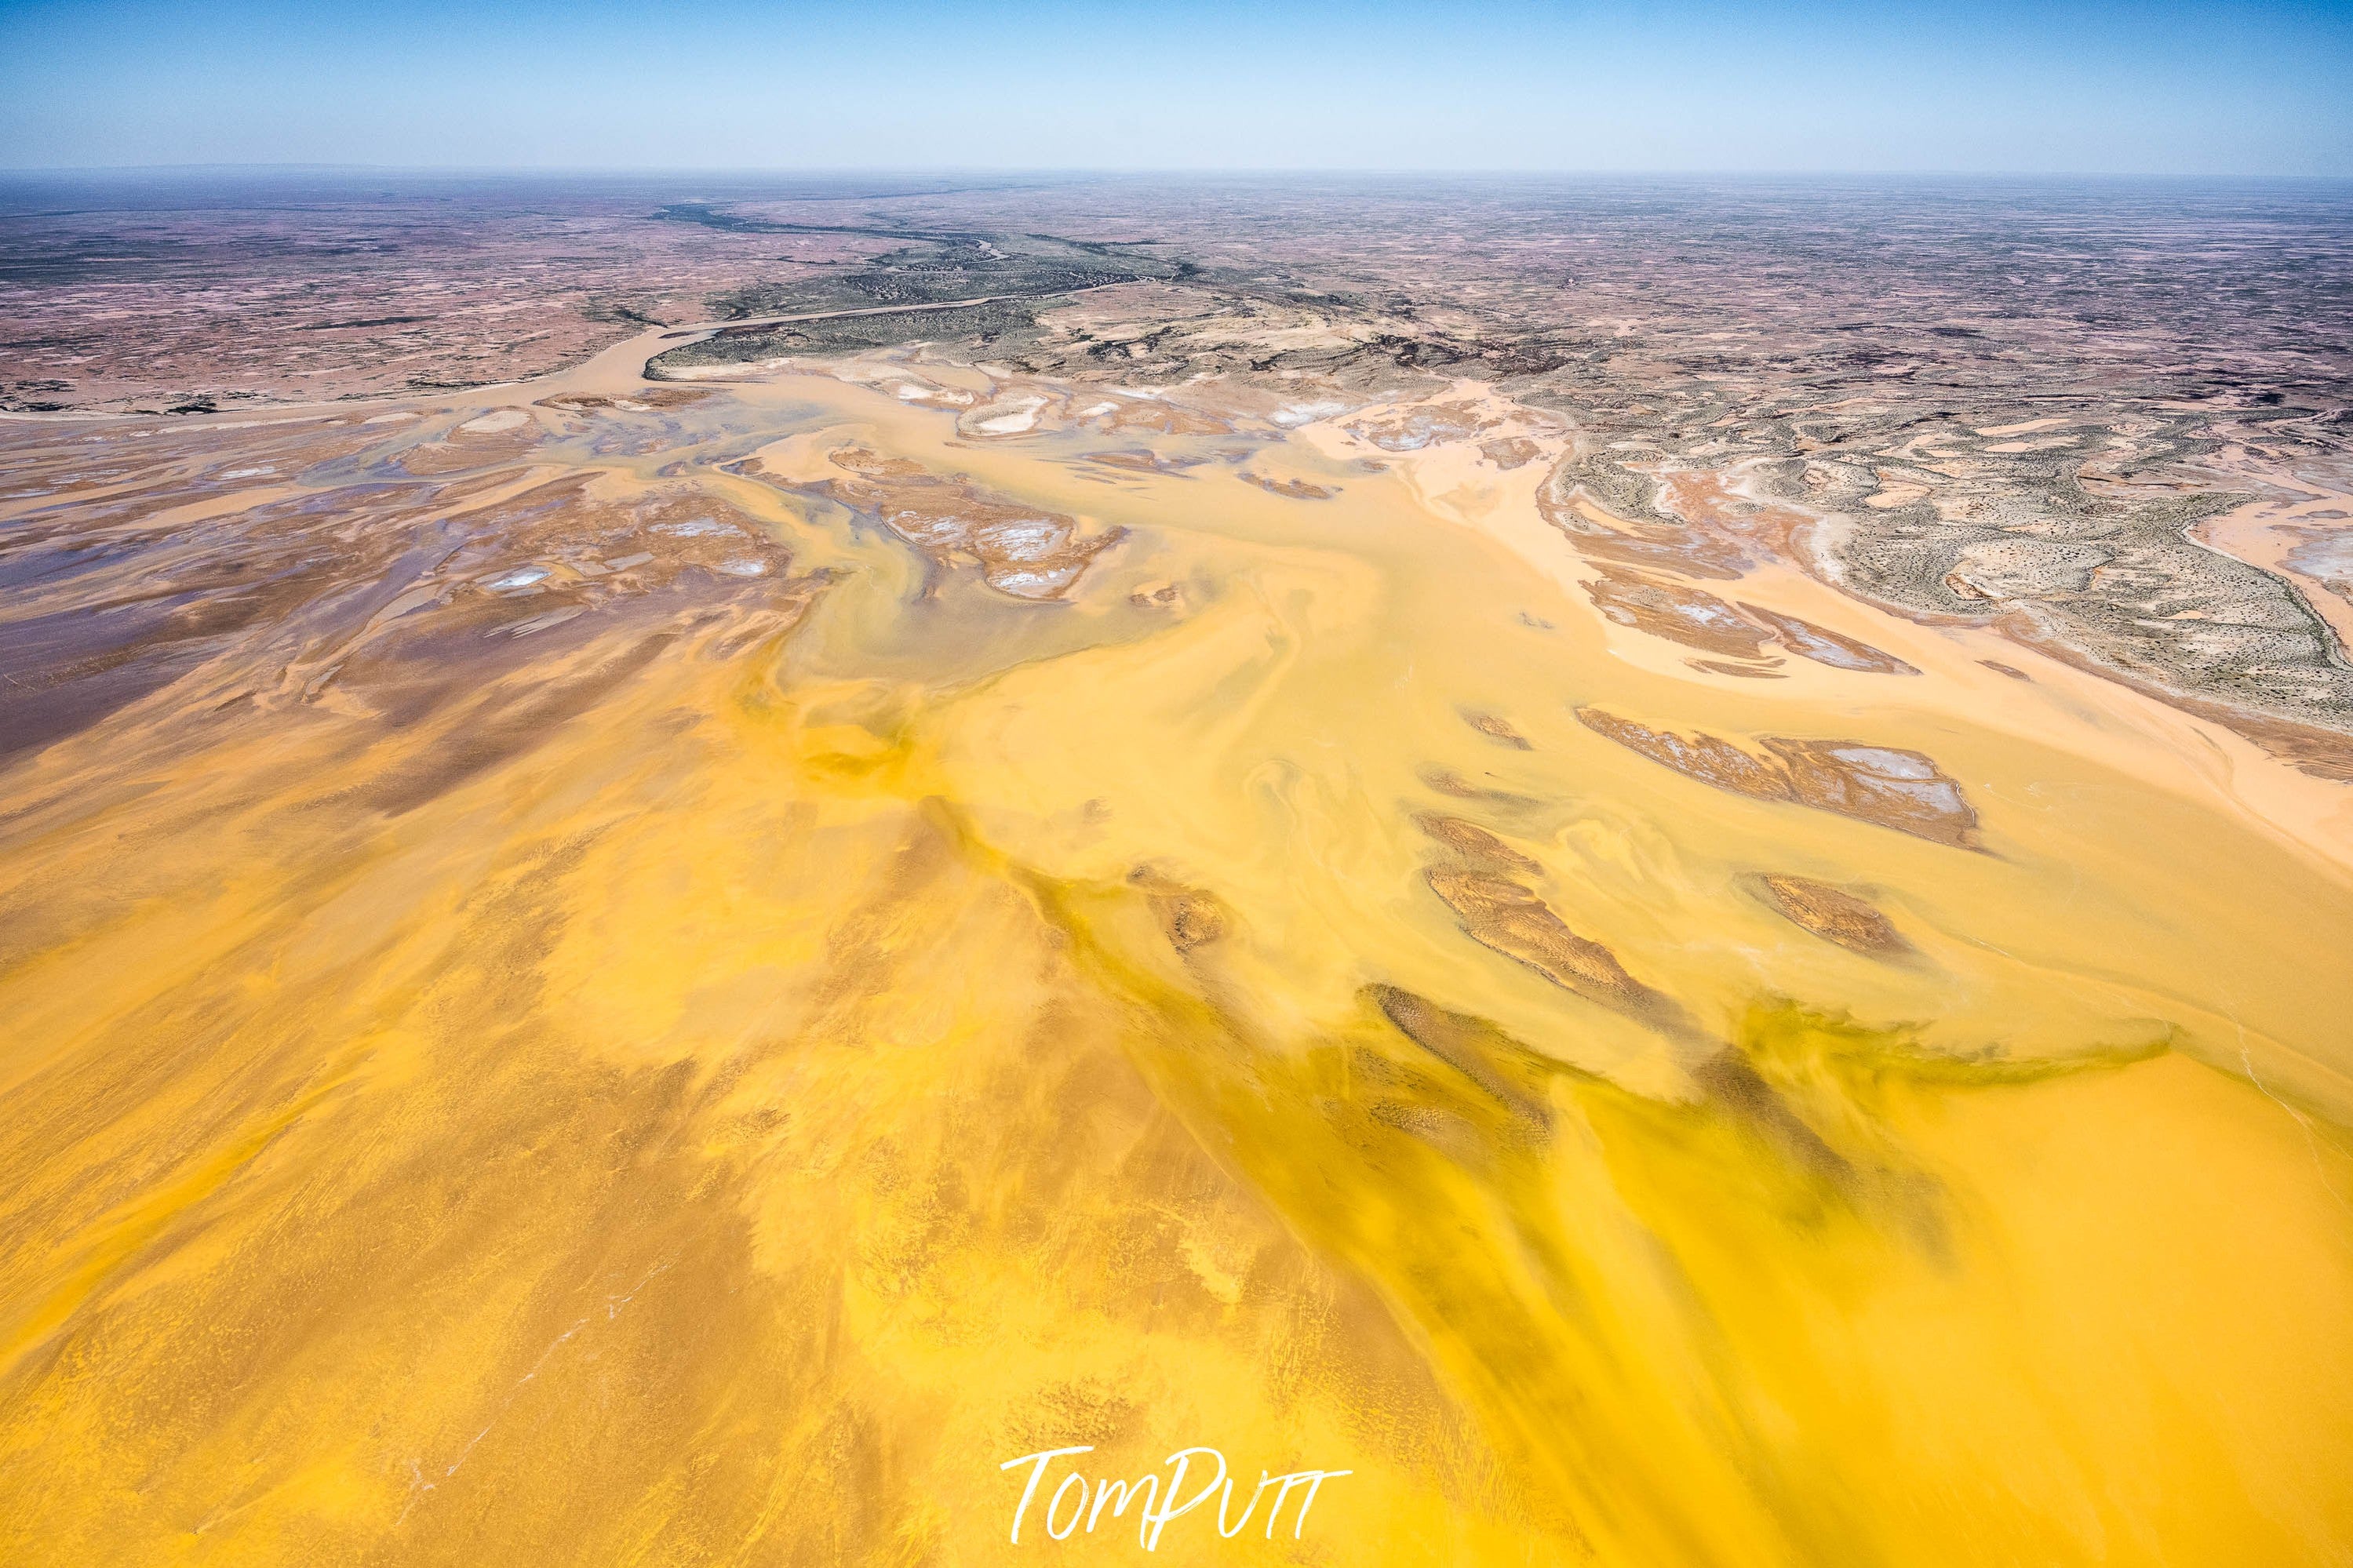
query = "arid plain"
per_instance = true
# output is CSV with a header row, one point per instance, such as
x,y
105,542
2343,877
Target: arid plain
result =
x,y
1665,868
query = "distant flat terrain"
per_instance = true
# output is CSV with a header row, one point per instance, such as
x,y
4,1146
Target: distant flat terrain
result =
x,y
2108,417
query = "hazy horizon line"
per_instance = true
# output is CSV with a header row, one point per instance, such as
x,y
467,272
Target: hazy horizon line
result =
x,y
1080,172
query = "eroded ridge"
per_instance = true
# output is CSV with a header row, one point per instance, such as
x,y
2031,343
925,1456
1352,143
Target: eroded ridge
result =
x,y
1024,551
1509,918
1891,786
1834,914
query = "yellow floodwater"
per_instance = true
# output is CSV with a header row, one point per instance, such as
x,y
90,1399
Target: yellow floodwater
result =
x,y
831,1057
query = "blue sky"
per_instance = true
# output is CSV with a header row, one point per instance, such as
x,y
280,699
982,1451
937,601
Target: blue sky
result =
x,y
2181,88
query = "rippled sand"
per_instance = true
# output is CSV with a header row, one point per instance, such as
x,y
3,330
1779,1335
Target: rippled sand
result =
x,y
610,988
